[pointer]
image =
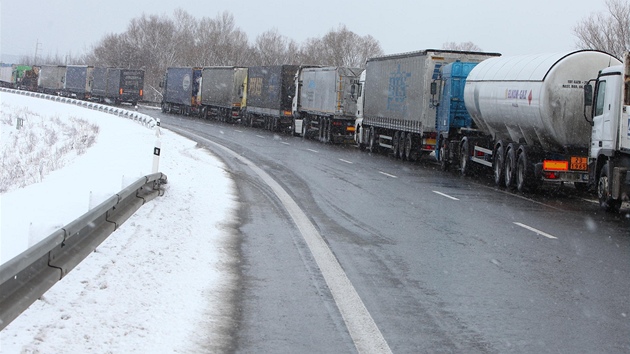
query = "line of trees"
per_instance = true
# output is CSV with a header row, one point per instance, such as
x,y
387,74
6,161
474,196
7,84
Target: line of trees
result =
x,y
154,43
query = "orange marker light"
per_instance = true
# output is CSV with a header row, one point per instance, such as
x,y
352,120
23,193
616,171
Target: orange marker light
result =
x,y
551,165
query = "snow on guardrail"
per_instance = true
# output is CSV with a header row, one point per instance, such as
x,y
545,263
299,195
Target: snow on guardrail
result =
x,y
146,120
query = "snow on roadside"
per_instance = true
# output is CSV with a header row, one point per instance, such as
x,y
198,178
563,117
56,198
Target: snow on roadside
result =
x,y
162,282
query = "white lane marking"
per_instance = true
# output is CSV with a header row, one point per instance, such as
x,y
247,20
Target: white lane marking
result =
x,y
590,200
387,174
238,131
260,136
445,195
284,142
346,161
366,335
311,150
541,233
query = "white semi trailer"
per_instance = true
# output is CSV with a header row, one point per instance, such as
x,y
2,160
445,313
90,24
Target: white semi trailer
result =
x,y
609,155
325,103
529,119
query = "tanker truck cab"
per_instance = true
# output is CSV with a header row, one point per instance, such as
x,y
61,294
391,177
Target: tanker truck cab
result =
x,y
609,155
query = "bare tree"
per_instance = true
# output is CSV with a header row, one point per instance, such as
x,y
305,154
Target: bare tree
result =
x,y
272,48
341,47
609,32
221,41
463,46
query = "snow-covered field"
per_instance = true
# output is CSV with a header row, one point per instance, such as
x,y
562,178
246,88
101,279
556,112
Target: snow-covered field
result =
x,y
161,283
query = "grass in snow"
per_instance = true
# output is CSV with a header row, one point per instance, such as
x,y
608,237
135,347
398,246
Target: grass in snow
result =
x,y
41,145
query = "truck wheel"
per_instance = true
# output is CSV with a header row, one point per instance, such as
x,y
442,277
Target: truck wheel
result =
x,y
396,144
305,124
329,136
464,155
373,143
603,192
402,146
510,167
320,129
525,178
498,166
444,155
409,147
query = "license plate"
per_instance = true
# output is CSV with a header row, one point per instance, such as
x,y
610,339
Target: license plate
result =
x,y
579,163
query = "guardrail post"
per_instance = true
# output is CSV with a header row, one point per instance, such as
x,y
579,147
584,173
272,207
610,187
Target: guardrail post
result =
x,y
157,150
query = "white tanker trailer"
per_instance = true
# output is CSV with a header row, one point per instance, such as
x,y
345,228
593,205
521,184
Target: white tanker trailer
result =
x,y
530,124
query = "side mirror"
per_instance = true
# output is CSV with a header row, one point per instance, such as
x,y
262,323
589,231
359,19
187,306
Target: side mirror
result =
x,y
353,90
588,95
433,88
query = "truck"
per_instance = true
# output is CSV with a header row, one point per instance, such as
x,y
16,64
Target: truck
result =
x,y
609,153
223,92
181,90
27,80
118,85
51,79
6,75
78,83
325,103
523,118
398,113
270,92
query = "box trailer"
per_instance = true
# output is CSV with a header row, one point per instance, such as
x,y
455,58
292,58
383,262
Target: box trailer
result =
x,y
222,92
181,90
78,82
51,79
325,103
118,85
270,92
6,75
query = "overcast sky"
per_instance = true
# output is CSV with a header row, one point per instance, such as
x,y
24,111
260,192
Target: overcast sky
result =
x,y
508,27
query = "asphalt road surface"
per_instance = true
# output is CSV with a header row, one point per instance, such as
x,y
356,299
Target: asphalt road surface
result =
x,y
345,251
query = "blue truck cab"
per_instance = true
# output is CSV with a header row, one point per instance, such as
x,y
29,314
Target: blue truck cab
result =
x,y
448,92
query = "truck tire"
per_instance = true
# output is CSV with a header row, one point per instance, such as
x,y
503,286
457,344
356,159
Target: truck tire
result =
x,y
409,153
402,140
444,155
329,135
396,144
510,167
373,142
603,192
498,166
464,159
525,177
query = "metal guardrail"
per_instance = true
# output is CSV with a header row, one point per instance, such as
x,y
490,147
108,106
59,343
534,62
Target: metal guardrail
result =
x,y
29,275
146,120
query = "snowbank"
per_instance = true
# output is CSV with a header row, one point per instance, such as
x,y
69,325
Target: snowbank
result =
x,y
160,283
